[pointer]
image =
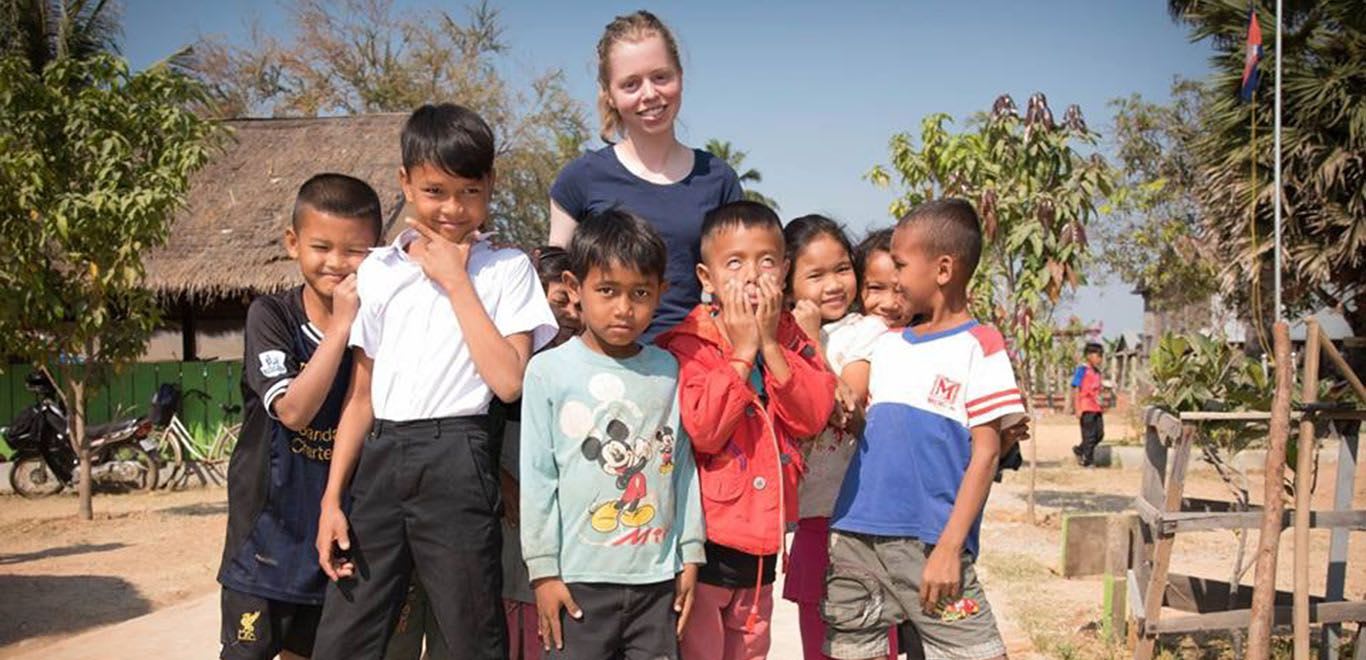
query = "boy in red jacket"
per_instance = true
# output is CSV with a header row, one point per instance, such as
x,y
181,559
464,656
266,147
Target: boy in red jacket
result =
x,y
751,384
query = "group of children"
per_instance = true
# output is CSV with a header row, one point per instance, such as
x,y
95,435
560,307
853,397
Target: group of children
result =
x,y
399,432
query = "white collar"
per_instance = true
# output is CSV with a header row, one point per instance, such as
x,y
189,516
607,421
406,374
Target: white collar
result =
x,y
398,248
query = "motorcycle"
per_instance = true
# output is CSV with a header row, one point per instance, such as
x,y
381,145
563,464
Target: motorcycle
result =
x,y
45,460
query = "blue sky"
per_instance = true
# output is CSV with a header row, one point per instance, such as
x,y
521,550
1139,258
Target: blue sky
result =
x,y
812,90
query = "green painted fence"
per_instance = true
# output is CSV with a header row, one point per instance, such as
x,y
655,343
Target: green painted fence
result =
x,y
207,389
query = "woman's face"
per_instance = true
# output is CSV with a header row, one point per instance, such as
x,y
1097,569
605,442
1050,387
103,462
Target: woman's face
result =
x,y
645,87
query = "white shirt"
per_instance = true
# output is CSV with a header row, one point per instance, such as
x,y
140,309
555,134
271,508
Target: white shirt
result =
x,y
847,340
406,325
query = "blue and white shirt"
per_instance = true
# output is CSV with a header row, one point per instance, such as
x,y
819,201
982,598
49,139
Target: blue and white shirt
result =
x,y
925,393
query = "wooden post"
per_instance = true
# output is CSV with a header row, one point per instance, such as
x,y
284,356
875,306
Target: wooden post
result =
x,y
1342,501
1033,467
189,332
1118,536
1268,541
1156,588
1134,364
1343,368
1304,466
1337,547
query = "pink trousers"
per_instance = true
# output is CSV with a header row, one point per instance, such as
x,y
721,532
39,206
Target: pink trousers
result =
x,y
728,624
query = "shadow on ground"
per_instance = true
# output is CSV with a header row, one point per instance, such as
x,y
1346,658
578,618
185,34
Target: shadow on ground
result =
x,y
67,551
201,509
39,605
1088,502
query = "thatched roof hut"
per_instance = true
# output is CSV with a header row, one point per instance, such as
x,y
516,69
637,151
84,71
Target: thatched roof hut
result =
x,y
227,242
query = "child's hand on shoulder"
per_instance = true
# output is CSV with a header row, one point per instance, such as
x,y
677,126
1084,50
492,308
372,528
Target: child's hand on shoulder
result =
x,y
808,317
345,305
444,261
552,595
941,580
685,587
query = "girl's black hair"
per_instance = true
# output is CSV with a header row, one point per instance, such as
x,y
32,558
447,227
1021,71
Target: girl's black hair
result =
x,y
878,240
799,233
551,263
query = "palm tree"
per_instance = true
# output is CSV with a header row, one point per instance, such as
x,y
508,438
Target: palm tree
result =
x,y
45,30
1324,151
736,158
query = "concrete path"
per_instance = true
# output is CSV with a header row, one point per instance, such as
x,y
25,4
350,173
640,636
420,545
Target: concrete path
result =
x,y
189,631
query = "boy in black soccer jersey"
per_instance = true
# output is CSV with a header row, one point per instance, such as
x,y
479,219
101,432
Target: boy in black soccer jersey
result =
x,y
295,373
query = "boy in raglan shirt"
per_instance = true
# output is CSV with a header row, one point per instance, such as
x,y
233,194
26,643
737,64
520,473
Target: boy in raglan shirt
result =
x,y
905,528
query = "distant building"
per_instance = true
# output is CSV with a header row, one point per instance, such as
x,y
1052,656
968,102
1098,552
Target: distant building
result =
x,y
226,245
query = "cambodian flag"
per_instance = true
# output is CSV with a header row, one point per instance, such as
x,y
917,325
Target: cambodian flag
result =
x,y
1254,55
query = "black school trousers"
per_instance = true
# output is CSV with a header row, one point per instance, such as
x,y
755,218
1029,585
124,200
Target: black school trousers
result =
x,y
1092,433
424,496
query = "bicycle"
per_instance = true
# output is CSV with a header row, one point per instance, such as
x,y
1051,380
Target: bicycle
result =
x,y
187,456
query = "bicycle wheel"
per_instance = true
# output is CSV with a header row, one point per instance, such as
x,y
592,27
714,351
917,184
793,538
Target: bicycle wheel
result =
x,y
224,443
130,466
31,477
171,455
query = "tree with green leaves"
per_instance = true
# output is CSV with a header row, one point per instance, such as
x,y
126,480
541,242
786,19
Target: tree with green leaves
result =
x,y
1036,193
1151,236
94,162
363,56
748,176
1324,153
43,31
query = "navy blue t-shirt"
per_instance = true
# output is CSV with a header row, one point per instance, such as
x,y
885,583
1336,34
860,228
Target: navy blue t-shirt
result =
x,y
596,181
276,476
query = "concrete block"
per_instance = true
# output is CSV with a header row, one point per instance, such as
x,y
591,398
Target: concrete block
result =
x,y
1088,542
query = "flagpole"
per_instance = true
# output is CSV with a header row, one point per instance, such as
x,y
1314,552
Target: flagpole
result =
x,y
1276,198
1258,301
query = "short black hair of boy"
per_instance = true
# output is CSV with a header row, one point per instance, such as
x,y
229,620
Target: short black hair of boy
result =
x,y
450,137
800,231
552,262
949,226
1093,347
341,196
616,237
743,213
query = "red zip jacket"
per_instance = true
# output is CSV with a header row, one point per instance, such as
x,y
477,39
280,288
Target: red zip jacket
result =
x,y
739,444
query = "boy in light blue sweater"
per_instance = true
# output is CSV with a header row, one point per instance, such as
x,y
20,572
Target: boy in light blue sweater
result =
x,y
611,516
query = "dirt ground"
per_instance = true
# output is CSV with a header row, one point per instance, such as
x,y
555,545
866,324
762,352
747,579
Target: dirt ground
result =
x,y
60,575
144,553
1062,616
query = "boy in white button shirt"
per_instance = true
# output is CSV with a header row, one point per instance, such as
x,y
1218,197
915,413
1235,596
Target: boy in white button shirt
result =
x,y
446,323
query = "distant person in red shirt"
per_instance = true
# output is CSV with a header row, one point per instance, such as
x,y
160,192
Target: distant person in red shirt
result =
x,y
1086,386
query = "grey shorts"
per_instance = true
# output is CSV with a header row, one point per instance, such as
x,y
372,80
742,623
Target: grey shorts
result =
x,y
873,584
